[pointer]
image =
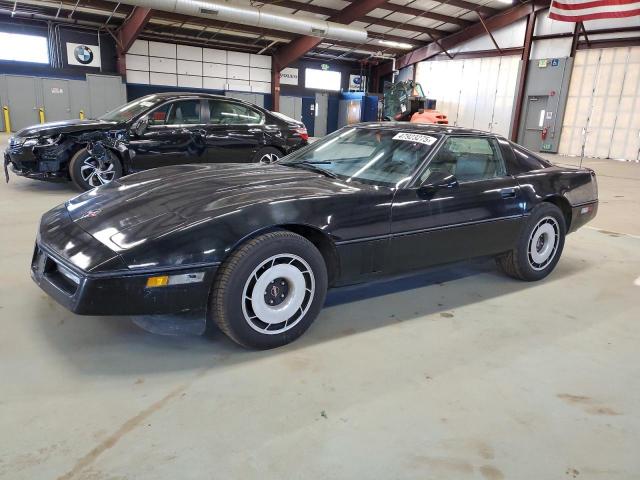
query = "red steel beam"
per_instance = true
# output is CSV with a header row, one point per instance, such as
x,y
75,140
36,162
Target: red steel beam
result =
x,y
522,78
128,32
497,21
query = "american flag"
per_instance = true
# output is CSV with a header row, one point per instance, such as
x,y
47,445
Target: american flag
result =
x,y
583,10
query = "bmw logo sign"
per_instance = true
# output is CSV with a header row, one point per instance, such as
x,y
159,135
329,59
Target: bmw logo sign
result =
x,y
83,54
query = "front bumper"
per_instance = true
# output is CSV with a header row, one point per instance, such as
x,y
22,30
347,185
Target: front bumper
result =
x,y
24,162
120,292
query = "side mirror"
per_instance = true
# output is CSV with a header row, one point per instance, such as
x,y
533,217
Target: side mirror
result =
x,y
437,181
141,126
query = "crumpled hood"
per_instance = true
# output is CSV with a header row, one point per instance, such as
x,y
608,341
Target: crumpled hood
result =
x,y
146,205
65,126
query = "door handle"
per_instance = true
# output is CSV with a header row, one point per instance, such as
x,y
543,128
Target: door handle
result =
x,y
254,130
508,192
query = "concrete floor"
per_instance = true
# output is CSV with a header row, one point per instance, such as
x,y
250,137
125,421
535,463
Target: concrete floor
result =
x,y
458,373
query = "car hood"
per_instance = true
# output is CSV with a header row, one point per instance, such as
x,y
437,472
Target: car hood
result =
x,y
152,203
65,126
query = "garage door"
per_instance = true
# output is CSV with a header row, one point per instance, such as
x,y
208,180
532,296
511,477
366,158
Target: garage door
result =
x,y
603,105
475,93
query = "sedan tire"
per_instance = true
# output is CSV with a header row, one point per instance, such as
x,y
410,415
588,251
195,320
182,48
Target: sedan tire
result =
x,y
87,173
269,291
539,245
268,155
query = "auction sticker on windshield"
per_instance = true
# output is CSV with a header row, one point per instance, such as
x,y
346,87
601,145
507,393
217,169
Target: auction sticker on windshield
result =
x,y
416,137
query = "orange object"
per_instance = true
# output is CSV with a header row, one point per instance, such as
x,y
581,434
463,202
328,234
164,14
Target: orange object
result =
x,y
429,116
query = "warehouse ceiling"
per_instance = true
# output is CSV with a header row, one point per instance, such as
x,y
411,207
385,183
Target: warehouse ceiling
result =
x,y
401,26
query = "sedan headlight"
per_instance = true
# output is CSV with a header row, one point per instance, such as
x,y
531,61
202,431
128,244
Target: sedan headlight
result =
x,y
41,141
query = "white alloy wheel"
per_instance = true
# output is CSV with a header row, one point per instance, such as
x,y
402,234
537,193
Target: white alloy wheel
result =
x,y
269,158
95,174
543,243
278,294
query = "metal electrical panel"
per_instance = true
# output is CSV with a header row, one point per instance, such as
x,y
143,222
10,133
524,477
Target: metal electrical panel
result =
x,y
544,103
321,113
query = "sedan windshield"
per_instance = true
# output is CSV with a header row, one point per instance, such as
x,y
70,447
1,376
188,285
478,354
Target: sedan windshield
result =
x,y
369,155
132,109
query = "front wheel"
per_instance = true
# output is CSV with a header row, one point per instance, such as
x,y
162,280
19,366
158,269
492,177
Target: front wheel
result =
x,y
268,155
539,245
88,172
269,291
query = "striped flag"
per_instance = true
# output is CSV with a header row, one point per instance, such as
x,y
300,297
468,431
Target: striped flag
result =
x,y
583,10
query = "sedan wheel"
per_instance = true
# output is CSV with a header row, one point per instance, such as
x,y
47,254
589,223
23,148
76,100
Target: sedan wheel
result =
x,y
95,174
267,155
87,172
269,291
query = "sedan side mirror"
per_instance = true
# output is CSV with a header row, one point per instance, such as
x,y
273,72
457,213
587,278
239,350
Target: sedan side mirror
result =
x,y
141,126
438,181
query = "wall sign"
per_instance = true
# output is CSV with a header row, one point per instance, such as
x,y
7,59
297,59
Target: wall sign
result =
x,y
289,76
542,63
83,55
357,83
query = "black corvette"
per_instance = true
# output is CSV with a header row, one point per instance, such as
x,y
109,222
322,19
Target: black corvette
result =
x,y
153,131
257,246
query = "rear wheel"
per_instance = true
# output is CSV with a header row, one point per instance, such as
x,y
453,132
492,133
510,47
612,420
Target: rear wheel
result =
x,y
268,155
88,172
539,245
269,291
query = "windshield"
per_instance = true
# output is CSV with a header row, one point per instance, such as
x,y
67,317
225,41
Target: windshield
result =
x,y
132,109
369,155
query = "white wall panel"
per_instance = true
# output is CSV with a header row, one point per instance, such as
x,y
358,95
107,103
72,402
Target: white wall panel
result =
x,y
214,70
186,52
137,62
167,79
161,49
162,65
603,106
260,75
239,85
235,72
189,81
214,56
260,61
214,83
139,47
261,87
189,67
238,58
134,76
475,93
195,67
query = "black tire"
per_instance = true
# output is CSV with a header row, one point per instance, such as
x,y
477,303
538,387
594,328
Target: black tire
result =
x,y
520,263
79,161
267,155
238,283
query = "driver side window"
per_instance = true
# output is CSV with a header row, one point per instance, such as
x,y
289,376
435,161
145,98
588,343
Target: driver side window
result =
x,y
468,159
184,112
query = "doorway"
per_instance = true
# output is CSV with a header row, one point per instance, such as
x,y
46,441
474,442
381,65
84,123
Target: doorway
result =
x,y
534,124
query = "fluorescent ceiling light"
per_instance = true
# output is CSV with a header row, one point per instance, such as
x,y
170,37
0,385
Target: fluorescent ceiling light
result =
x,y
390,43
509,2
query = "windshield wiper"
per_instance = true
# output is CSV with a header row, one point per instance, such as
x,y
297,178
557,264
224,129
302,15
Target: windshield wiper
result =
x,y
312,166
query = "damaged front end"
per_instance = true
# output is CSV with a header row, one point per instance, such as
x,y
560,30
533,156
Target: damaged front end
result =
x,y
47,157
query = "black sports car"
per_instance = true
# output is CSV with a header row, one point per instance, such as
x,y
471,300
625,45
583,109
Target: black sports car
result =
x,y
257,246
153,131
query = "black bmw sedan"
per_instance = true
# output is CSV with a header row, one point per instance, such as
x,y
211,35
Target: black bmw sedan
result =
x,y
255,247
153,131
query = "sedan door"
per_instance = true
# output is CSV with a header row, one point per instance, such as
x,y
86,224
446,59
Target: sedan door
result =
x,y
234,131
174,135
478,213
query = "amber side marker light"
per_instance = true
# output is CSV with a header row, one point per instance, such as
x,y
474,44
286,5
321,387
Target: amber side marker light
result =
x,y
158,281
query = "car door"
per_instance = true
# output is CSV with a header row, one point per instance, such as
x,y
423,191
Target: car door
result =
x,y
479,213
174,134
234,131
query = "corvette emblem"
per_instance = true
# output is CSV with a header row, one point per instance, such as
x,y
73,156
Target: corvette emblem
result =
x,y
275,291
91,213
